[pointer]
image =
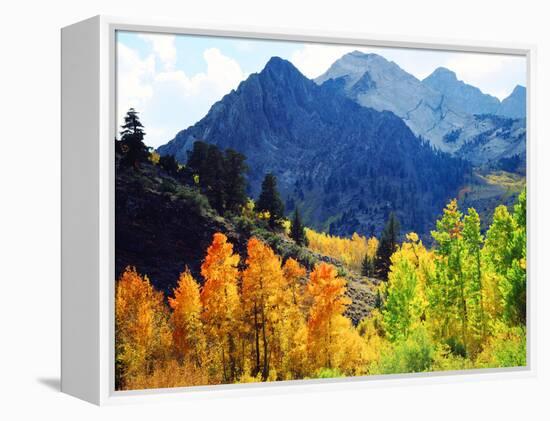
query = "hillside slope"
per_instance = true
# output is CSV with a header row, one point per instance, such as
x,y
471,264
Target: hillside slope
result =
x,y
163,226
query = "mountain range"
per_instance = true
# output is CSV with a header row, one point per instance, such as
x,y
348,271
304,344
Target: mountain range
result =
x,y
363,139
449,113
344,165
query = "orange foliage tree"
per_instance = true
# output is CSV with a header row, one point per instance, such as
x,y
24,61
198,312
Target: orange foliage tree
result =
x,y
262,282
332,341
143,336
293,272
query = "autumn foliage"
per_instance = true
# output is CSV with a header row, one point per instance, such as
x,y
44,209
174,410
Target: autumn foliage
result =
x,y
350,251
143,333
457,305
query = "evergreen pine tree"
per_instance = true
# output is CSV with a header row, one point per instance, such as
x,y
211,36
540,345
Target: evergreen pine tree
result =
x,y
131,140
270,200
388,245
235,181
213,179
297,229
367,267
197,159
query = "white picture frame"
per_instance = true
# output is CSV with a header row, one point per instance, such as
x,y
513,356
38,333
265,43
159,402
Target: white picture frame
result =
x,y
88,129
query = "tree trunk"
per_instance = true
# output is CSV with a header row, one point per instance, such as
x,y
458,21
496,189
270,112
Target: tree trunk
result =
x,y
257,338
265,372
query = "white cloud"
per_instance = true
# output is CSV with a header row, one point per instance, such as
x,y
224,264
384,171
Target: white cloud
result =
x,y
164,47
169,99
222,75
134,79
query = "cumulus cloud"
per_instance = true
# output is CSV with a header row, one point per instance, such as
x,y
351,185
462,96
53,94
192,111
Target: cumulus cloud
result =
x,y
164,47
168,98
134,79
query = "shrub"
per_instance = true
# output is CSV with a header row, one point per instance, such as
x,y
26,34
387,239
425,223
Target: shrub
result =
x,y
506,348
168,186
328,373
414,354
196,201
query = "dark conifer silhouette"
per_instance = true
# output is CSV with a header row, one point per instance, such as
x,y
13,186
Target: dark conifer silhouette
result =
x,y
388,245
131,143
235,180
367,268
221,176
297,229
270,201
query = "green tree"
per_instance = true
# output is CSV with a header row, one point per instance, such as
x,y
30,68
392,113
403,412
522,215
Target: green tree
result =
x,y
207,162
405,304
220,175
514,285
213,179
131,143
235,180
448,289
368,266
197,159
388,245
270,201
297,230
498,256
473,240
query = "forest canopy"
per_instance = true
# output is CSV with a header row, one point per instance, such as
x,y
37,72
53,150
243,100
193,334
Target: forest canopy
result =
x,y
457,305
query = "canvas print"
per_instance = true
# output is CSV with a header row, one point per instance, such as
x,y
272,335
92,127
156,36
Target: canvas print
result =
x,y
288,211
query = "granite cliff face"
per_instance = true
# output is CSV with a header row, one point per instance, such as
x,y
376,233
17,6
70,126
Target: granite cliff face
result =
x,y
346,166
452,115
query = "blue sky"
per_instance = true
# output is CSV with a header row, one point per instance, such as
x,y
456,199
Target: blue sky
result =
x,y
173,80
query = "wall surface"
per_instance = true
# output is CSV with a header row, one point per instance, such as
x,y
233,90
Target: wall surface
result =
x,y
30,221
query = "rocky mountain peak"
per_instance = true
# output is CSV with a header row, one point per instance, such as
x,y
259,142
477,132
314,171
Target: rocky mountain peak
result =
x,y
443,74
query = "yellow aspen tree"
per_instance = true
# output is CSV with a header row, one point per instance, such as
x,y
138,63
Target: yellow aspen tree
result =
x,y
143,337
328,328
293,272
188,334
350,251
221,305
262,281
292,327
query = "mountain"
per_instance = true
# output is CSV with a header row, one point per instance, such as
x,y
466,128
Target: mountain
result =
x,y
461,96
372,81
515,105
346,166
442,109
